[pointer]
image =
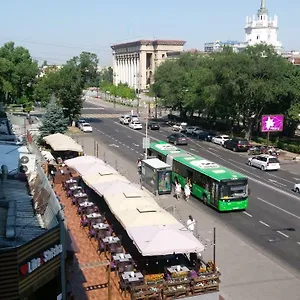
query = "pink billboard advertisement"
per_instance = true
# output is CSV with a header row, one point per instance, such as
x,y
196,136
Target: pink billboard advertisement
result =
x,y
271,123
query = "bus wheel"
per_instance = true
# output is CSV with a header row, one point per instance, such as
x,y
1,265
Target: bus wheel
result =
x,y
204,199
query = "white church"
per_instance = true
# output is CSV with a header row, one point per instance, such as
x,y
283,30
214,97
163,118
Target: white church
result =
x,y
259,29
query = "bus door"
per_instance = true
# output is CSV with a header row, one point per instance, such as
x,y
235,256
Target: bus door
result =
x,y
214,195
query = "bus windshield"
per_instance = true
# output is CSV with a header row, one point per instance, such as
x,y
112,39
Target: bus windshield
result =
x,y
234,190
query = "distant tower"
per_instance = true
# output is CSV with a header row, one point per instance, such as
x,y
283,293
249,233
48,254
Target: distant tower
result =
x,y
262,29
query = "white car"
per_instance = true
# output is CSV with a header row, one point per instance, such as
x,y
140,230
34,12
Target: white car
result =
x,y
80,122
264,162
179,127
297,188
86,127
135,125
220,139
134,118
124,119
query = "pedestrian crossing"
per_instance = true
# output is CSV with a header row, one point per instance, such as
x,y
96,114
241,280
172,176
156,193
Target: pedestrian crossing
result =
x,y
100,116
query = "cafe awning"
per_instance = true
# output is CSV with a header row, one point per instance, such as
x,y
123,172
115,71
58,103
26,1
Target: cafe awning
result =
x,y
62,142
159,240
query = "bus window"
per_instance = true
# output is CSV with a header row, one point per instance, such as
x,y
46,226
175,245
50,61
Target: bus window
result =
x,y
234,190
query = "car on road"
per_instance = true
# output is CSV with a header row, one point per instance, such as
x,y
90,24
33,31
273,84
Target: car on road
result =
x,y
153,125
237,145
205,136
297,188
124,119
264,162
197,131
136,125
177,139
86,127
134,118
220,139
179,126
79,122
190,129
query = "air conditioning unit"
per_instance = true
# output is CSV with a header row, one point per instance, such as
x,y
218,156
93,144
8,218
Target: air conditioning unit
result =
x,y
27,163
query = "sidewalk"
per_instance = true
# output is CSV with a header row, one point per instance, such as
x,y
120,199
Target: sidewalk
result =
x,y
247,274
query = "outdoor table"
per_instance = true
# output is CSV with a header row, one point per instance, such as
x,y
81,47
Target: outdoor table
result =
x,y
100,226
76,187
93,216
86,204
122,257
111,240
80,194
129,280
71,181
173,269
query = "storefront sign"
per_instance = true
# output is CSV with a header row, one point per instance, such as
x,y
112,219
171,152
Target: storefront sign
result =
x,y
46,256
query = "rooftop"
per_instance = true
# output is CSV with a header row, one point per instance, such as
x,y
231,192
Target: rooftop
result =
x,y
149,42
17,214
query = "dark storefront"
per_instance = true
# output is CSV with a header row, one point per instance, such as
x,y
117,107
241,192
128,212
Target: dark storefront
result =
x,y
32,271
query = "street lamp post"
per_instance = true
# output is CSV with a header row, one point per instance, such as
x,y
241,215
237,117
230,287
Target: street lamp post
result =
x,y
138,89
146,144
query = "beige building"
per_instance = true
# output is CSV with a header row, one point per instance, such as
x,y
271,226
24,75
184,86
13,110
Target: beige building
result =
x,y
134,63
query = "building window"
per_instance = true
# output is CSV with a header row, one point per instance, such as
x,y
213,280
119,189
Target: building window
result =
x,y
163,55
257,37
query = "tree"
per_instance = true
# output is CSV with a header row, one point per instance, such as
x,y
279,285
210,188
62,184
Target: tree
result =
x,y
53,121
69,91
18,73
107,75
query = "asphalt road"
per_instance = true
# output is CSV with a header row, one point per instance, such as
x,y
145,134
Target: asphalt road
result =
x,y
272,221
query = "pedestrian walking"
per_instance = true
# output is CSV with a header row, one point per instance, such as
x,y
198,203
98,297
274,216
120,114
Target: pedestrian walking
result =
x,y
190,223
177,190
187,191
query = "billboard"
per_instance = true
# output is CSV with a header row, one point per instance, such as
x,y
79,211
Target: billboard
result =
x,y
271,123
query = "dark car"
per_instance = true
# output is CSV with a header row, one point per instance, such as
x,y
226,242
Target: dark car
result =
x,y
237,144
205,135
153,126
177,139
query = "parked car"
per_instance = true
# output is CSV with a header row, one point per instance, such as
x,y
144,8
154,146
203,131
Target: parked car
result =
x,y
179,126
134,118
177,139
220,139
190,129
153,125
86,127
197,131
297,188
205,136
237,145
124,119
79,122
136,125
264,162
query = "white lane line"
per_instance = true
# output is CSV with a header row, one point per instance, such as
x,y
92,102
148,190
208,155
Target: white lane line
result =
x,y
127,147
124,145
132,149
212,149
193,149
129,137
276,182
244,212
297,179
283,234
136,145
119,142
116,130
298,243
279,208
137,152
261,222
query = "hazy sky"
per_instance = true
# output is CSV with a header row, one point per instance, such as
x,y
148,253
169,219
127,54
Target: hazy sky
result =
x,y
56,30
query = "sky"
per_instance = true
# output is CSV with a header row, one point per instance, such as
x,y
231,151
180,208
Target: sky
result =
x,y
57,30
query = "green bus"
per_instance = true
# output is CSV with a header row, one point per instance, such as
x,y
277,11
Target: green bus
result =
x,y
217,186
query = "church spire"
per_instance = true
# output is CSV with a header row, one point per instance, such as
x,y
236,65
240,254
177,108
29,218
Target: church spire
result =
x,y
263,10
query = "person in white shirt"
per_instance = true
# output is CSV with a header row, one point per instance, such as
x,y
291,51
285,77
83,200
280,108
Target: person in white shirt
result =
x,y
190,223
187,191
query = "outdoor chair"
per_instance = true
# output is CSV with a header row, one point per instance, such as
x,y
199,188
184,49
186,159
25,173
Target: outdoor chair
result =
x,y
92,233
89,210
119,250
128,268
96,208
84,222
101,246
79,211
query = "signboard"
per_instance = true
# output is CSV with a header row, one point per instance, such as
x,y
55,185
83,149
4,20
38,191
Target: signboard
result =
x,y
271,123
40,260
164,182
146,143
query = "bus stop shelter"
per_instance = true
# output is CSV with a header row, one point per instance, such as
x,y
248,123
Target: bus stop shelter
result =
x,y
156,176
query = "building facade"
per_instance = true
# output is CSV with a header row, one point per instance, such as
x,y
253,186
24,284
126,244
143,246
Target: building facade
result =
x,y
262,29
258,29
134,63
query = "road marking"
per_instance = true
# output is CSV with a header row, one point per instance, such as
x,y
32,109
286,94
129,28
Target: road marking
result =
x,y
298,243
116,130
129,137
193,149
297,179
276,182
244,212
113,145
279,208
119,142
128,147
283,179
283,234
137,152
212,149
132,149
261,222
136,145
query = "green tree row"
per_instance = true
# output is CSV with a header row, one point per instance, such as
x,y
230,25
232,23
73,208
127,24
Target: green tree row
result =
x,y
120,90
235,88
